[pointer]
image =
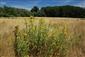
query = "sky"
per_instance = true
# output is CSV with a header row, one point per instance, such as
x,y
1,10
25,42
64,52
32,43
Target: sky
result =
x,y
28,4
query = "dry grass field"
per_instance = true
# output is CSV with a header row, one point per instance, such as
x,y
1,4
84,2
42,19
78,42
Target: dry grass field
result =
x,y
7,27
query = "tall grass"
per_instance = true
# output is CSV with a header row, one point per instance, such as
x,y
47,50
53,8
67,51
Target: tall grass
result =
x,y
0,45
42,39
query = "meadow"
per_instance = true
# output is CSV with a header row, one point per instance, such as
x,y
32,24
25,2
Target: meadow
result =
x,y
42,37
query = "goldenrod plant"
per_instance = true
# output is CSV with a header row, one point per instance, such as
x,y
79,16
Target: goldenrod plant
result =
x,y
42,39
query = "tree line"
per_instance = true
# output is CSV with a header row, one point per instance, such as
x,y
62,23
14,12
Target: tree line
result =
x,y
49,11
6,11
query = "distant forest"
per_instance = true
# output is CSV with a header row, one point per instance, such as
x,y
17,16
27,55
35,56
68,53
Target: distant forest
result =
x,y
49,11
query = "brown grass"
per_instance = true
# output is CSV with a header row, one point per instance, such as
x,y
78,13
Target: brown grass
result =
x,y
7,27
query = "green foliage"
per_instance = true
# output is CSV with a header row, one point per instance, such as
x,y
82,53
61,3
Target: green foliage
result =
x,y
41,39
64,11
35,9
54,11
13,12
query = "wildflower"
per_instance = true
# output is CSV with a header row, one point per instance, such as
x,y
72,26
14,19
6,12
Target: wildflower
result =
x,y
31,17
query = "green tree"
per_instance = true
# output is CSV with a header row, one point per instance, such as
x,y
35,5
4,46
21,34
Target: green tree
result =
x,y
35,9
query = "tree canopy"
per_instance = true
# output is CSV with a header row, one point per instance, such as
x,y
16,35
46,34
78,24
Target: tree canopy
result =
x,y
13,12
49,11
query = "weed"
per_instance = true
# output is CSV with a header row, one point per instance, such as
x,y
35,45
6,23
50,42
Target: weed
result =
x,y
42,39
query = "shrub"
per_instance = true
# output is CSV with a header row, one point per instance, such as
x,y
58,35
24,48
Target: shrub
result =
x,y
42,39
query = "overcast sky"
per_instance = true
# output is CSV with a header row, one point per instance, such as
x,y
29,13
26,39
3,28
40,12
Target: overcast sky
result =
x,y
28,4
